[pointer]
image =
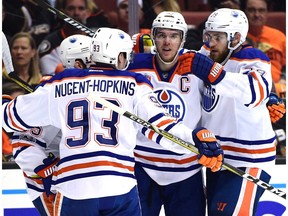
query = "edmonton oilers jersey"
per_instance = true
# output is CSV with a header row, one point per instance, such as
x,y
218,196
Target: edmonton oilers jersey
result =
x,y
235,109
179,93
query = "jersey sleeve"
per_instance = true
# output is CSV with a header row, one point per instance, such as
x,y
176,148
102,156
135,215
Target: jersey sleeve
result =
x,y
35,143
27,111
251,86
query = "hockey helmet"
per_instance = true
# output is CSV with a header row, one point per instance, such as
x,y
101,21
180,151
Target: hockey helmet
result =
x,y
170,20
108,43
229,21
75,47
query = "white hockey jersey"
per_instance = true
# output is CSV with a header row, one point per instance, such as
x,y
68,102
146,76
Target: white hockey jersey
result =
x,y
30,148
179,93
235,109
96,148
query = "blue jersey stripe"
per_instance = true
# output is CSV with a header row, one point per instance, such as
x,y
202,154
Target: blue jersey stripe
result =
x,y
246,142
96,154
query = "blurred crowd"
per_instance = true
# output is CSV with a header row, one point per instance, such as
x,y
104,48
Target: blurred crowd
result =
x,y
34,35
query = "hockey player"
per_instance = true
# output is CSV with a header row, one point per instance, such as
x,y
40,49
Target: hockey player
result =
x,y
42,143
74,52
36,153
155,173
163,177
235,96
95,174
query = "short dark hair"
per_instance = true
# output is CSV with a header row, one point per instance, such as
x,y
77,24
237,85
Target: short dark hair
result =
x,y
244,4
10,87
61,4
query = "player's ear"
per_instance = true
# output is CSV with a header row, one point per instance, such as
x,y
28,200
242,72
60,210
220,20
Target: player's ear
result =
x,y
236,39
122,58
79,64
121,61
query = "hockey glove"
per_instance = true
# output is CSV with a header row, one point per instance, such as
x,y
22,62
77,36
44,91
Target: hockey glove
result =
x,y
210,152
140,41
45,171
203,67
276,107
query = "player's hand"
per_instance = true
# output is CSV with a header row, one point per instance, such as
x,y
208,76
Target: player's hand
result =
x,y
210,152
45,171
276,107
6,98
202,66
140,41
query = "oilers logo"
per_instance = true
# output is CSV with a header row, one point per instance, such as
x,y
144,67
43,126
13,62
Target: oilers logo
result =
x,y
209,98
172,101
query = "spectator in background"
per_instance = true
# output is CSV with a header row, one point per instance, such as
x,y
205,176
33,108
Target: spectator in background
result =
x,y
270,40
25,59
12,89
24,16
194,37
96,16
151,8
233,4
78,10
121,18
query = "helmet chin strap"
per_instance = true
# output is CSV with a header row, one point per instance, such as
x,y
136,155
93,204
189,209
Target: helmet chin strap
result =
x,y
231,49
167,63
227,57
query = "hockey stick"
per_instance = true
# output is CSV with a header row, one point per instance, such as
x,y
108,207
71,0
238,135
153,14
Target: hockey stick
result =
x,y
187,145
7,60
63,16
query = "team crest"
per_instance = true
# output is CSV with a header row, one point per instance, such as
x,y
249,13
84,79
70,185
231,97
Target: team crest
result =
x,y
209,98
172,101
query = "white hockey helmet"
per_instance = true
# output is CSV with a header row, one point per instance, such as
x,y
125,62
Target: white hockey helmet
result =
x,y
229,21
108,43
170,20
75,47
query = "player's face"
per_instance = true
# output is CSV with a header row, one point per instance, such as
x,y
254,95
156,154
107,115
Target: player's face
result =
x,y
22,52
77,9
167,42
218,45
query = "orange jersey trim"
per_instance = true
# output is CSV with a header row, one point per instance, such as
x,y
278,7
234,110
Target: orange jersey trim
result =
x,y
93,164
166,160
